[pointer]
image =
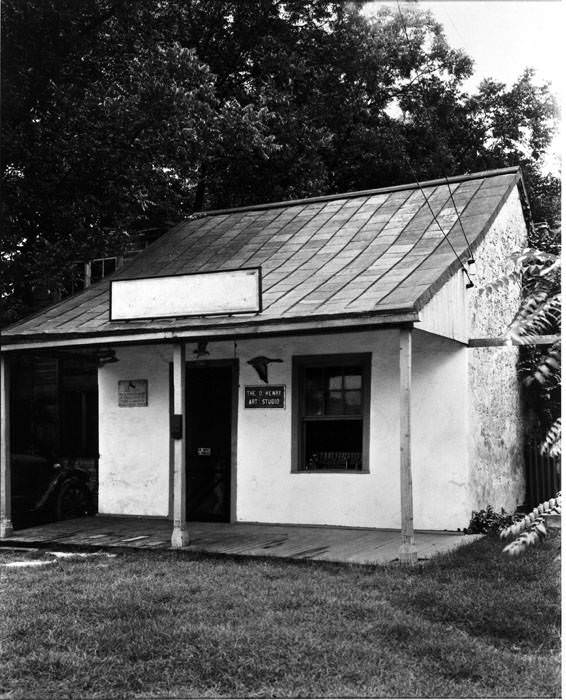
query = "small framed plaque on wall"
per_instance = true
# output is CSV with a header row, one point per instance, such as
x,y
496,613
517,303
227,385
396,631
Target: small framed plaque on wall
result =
x,y
132,393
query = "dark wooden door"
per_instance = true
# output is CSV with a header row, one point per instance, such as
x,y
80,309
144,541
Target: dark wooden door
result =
x,y
209,442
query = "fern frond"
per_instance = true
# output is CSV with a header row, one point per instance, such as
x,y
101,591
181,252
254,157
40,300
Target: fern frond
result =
x,y
548,367
502,282
532,256
531,266
538,313
531,529
535,534
554,267
552,444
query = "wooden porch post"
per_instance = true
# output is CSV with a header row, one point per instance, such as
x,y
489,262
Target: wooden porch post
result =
x,y
6,528
408,551
180,534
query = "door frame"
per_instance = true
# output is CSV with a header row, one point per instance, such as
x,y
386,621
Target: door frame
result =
x,y
234,364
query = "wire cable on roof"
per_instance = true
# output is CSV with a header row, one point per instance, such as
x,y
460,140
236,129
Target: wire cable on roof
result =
x,y
470,282
470,255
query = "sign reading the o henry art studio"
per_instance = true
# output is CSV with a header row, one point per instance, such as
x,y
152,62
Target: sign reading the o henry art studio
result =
x,y
270,396
132,392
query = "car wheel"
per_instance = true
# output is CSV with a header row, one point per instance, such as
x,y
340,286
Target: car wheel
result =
x,y
73,500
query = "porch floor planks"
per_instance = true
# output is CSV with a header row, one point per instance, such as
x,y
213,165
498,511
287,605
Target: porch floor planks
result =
x,y
365,548
324,544
293,542
428,546
337,550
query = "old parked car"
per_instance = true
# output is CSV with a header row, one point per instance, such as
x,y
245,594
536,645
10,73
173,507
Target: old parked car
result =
x,y
43,491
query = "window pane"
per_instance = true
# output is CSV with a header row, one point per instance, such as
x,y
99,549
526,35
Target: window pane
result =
x,y
333,444
334,375
353,402
334,404
314,403
352,378
314,391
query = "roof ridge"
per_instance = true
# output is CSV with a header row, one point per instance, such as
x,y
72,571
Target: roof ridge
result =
x,y
361,193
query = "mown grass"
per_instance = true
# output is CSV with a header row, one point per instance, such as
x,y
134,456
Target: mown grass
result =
x,y
469,624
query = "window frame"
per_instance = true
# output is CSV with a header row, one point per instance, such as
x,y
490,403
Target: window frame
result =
x,y
300,364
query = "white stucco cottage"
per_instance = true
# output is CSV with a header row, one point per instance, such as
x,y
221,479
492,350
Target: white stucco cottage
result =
x,y
370,399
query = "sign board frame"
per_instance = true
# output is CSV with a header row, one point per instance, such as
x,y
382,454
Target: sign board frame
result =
x,y
173,284
132,393
260,389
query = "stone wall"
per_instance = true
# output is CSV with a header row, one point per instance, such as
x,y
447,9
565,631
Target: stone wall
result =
x,y
495,435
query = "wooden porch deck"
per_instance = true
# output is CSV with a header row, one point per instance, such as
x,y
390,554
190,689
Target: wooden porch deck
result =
x,y
330,544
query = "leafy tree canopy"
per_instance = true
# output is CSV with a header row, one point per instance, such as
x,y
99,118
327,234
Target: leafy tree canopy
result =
x,y
120,117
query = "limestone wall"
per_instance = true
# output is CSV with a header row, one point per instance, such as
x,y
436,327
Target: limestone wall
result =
x,y
495,430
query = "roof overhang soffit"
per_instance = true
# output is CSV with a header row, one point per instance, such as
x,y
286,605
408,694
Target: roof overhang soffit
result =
x,y
345,325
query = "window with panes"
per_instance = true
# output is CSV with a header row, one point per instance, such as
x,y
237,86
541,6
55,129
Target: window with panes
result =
x,y
332,413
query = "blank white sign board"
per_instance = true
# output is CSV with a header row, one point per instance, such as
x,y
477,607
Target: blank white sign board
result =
x,y
222,292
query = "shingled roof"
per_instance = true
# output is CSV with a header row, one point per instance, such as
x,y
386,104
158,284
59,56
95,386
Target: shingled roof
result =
x,y
376,254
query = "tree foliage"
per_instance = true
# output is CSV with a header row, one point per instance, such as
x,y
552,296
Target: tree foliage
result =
x,y
120,117
106,122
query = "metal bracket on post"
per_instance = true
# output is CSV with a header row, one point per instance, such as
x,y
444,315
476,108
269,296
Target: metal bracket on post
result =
x,y
408,550
180,534
6,527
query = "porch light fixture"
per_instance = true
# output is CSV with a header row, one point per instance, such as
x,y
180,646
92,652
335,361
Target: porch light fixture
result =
x,y
106,356
471,272
201,350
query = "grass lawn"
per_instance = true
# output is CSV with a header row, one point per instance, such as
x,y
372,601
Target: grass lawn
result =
x,y
469,624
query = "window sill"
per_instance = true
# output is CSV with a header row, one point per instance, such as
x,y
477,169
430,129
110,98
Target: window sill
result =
x,y
330,471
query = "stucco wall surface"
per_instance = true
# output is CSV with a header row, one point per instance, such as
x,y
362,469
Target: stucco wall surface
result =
x,y
495,436
135,464
269,492
134,441
439,439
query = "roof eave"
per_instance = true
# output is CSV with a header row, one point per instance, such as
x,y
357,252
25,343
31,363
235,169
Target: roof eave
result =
x,y
226,331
